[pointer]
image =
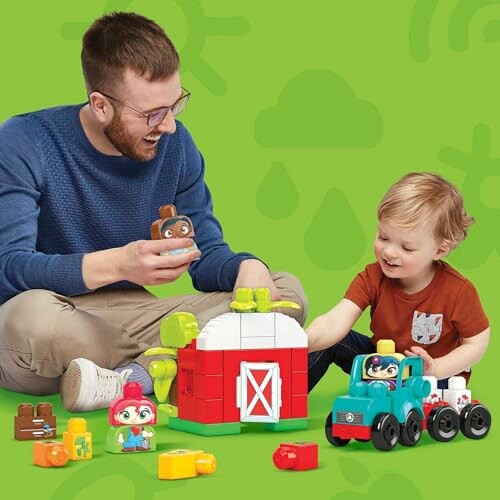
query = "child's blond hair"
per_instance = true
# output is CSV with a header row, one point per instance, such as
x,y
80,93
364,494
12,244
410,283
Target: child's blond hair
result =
x,y
427,198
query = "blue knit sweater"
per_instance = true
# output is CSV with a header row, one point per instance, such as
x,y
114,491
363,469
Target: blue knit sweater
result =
x,y
61,198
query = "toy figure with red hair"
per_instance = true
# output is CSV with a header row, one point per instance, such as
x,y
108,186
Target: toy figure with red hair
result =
x,y
128,416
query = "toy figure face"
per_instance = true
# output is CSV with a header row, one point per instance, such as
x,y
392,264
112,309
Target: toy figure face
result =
x,y
381,367
379,372
135,415
177,227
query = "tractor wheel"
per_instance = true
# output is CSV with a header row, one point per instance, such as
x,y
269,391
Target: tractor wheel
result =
x,y
333,440
443,423
475,421
385,431
411,430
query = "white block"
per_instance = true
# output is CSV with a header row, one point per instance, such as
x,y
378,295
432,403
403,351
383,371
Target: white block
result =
x,y
257,343
457,383
221,333
257,325
436,395
288,332
458,399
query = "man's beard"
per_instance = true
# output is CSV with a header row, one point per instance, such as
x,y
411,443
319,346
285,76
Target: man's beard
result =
x,y
118,136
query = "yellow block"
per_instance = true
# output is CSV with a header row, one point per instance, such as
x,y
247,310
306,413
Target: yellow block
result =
x,y
77,440
180,464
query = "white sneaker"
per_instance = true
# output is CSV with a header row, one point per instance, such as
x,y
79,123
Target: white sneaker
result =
x,y
86,386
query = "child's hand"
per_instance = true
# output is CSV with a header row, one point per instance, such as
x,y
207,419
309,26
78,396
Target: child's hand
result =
x,y
429,363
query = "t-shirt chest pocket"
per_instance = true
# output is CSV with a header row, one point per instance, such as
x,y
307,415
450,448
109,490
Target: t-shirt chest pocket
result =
x,y
426,328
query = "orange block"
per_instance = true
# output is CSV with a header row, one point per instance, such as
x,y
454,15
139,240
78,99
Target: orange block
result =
x,y
49,454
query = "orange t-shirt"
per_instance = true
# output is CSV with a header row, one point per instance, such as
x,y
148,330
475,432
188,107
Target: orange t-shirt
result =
x,y
435,318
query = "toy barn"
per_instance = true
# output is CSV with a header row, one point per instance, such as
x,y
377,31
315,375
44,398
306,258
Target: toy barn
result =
x,y
243,367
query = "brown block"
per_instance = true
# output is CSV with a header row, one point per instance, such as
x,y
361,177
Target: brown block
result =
x,y
27,425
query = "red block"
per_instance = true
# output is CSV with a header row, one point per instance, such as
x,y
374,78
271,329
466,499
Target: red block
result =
x,y
299,359
208,386
348,431
299,382
296,456
187,408
299,406
209,411
210,362
186,358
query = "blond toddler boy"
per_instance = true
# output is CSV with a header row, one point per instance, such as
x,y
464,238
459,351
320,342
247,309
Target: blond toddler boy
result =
x,y
422,303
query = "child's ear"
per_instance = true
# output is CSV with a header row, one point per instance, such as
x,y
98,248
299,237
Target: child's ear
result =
x,y
442,251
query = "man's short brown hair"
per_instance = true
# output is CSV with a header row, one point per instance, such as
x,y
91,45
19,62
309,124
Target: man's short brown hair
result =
x,y
123,40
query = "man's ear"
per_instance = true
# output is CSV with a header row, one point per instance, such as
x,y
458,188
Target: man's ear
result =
x,y
101,107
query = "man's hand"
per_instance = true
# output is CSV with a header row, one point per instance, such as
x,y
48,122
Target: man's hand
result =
x,y
254,274
429,363
139,262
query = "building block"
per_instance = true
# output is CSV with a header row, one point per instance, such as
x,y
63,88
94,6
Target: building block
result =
x,y
187,407
257,343
299,382
170,225
77,440
131,416
209,411
248,300
299,359
258,325
208,386
258,392
208,362
177,331
288,333
296,456
220,429
182,464
221,333
287,424
457,395
436,395
50,454
187,359
132,407
232,369
27,425
126,438
299,405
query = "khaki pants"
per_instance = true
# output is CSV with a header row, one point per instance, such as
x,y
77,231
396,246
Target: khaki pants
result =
x,y
41,331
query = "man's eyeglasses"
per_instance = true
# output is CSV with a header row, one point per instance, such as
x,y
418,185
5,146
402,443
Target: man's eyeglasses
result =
x,y
158,115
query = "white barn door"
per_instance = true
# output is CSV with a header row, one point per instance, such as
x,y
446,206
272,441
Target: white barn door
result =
x,y
258,392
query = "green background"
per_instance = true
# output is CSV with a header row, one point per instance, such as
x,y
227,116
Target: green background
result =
x,y
305,112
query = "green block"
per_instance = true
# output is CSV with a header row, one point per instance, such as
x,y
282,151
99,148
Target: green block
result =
x,y
287,424
113,444
178,329
180,424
